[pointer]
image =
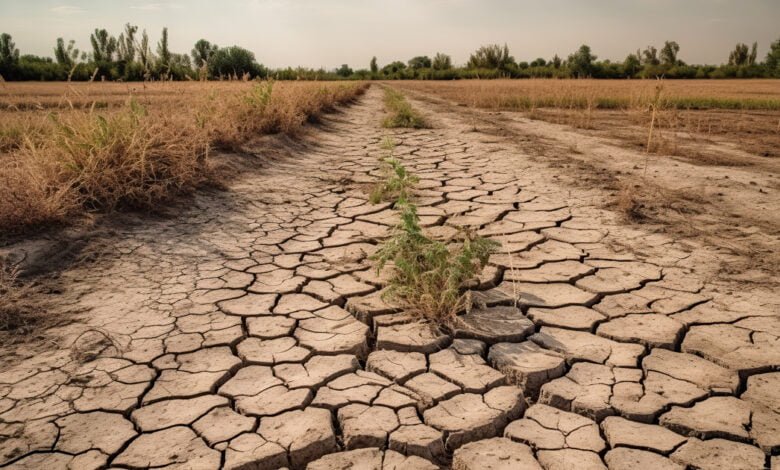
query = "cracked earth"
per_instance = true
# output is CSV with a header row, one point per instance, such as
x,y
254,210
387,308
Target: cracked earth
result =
x,y
250,331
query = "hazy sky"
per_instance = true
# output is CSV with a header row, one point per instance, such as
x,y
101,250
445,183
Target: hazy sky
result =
x,y
327,33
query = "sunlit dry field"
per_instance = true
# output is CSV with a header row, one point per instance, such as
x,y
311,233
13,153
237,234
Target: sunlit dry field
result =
x,y
69,147
687,112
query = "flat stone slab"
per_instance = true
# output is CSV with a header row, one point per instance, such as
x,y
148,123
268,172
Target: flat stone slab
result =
x,y
178,447
624,458
272,351
431,388
81,432
493,325
748,346
703,373
763,394
413,437
395,365
550,295
494,454
366,426
583,346
527,364
250,450
563,271
468,371
333,331
719,453
470,417
655,331
546,428
316,371
573,317
370,459
411,337
167,413
726,417
570,459
306,434
621,432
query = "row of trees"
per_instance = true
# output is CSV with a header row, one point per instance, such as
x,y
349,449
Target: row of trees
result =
x,y
130,57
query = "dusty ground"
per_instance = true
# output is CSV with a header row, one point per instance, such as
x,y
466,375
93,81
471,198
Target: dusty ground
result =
x,y
249,330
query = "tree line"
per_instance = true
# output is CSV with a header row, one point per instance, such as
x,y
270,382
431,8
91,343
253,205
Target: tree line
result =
x,y
131,56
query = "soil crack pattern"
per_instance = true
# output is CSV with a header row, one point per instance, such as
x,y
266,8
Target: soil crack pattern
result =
x,y
250,331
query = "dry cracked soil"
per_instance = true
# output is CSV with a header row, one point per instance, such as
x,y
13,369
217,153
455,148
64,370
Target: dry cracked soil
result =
x,y
250,331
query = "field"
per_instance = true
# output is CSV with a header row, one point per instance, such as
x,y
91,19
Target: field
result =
x,y
73,147
393,274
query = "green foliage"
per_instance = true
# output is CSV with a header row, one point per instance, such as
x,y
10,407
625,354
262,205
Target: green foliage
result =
x,y
401,112
491,57
202,52
397,183
373,66
344,71
420,62
235,62
669,53
441,62
773,58
581,62
428,275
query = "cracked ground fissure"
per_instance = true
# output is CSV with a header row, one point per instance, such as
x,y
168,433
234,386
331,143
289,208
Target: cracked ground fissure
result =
x,y
250,331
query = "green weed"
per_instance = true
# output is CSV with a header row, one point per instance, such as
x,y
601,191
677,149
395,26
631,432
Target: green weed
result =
x,y
401,112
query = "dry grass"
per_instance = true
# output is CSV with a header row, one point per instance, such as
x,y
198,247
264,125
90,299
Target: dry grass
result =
x,y
67,148
686,117
17,312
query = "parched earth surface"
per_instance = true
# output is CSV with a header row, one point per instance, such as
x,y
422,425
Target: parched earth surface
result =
x,y
250,331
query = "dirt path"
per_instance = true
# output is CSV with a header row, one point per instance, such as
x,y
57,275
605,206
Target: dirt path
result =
x,y
250,332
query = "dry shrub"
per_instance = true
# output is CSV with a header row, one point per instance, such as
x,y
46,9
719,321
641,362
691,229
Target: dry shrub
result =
x,y
642,201
136,155
17,313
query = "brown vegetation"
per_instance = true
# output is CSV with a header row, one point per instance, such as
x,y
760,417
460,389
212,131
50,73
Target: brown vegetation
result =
x,y
72,147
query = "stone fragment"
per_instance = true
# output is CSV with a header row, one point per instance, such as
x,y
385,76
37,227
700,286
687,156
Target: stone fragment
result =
x,y
654,331
469,417
763,394
167,413
469,371
366,426
415,438
306,434
176,447
431,388
570,459
701,372
411,337
397,366
494,454
621,432
552,295
573,317
249,305
81,432
493,325
583,346
624,458
333,331
316,371
527,364
726,417
251,451
272,351
719,453
743,346
564,271
222,424
270,327
547,428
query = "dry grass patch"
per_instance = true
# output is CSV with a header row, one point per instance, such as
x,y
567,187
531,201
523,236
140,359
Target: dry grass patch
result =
x,y
67,159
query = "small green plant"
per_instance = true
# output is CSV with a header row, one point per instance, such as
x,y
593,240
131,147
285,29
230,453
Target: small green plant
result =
x,y
401,112
397,184
428,275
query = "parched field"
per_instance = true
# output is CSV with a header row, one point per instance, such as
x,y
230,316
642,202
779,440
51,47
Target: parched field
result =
x,y
249,327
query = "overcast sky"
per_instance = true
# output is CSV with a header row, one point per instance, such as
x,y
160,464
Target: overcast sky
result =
x,y
327,33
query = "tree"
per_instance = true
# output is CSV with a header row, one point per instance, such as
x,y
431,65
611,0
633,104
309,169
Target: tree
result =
x,y
163,52
103,46
753,54
420,62
539,62
740,55
491,56
669,53
66,55
344,71
581,62
9,54
145,56
632,65
441,62
650,56
202,52
556,61
374,67
235,61
393,68
127,43
773,58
